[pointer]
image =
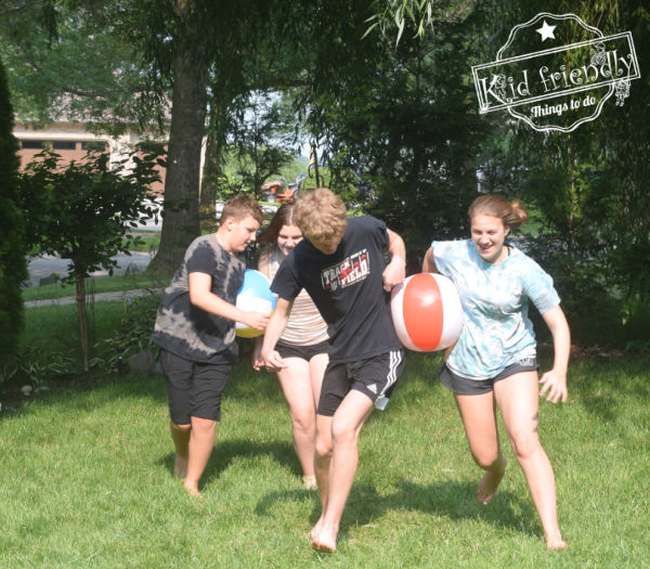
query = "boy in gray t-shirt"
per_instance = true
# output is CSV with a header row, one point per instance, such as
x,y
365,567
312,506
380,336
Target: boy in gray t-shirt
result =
x,y
195,329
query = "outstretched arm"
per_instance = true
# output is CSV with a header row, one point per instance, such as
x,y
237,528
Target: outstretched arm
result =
x,y
554,381
395,271
269,356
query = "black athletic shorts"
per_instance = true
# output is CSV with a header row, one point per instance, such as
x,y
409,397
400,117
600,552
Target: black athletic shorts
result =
x,y
194,388
464,386
302,352
375,377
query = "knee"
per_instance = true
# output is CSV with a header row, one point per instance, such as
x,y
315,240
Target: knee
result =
x,y
323,448
203,425
524,444
486,460
304,421
185,428
343,432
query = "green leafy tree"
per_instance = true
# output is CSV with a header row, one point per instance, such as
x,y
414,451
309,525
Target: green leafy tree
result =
x,y
85,212
12,244
74,65
590,190
399,123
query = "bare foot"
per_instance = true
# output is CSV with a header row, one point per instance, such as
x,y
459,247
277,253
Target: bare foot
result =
x,y
309,482
324,540
192,488
316,529
180,467
488,485
555,543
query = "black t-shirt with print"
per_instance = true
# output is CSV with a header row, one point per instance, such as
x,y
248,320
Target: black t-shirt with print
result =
x,y
347,288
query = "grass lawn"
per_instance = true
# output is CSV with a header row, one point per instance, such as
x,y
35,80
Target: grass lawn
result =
x,y
86,479
149,241
102,284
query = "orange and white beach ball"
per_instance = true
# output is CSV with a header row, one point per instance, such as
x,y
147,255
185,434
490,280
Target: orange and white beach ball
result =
x,y
427,313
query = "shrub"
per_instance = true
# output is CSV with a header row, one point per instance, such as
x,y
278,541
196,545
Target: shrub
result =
x,y
132,335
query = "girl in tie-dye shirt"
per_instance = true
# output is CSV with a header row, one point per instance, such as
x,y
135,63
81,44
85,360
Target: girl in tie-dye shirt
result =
x,y
494,360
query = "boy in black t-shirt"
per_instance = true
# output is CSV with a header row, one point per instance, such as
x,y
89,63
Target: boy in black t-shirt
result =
x,y
342,266
195,329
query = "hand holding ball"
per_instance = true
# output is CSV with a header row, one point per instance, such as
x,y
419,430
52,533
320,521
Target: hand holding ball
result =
x,y
427,313
254,296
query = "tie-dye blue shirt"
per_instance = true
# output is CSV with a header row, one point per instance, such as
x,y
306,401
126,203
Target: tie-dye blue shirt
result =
x,y
497,331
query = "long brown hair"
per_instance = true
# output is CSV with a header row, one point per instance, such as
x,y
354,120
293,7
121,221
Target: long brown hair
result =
x,y
282,217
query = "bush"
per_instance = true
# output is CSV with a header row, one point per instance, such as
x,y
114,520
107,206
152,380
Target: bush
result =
x,y
593,306
132,335
13,268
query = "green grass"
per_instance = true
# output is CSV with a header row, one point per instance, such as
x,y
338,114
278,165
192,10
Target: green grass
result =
x,y
115,283
54,329
86,479
149,241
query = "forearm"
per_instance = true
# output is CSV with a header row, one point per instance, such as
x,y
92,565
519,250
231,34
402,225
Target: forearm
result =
x,y
396,247
561,334
210,302
274,330
561,348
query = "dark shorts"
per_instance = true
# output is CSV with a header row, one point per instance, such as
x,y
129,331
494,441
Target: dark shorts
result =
x,y
302,352
194,388
463,386
375,377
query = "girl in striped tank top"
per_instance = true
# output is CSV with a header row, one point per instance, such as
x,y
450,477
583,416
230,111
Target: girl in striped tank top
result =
x,y
303,345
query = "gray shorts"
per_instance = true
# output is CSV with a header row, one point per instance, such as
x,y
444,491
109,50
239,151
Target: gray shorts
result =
x,y
463,386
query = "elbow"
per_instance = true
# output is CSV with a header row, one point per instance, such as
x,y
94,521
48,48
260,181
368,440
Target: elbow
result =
x,y
196,300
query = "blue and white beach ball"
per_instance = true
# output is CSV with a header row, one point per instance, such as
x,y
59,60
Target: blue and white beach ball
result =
x,y
254,296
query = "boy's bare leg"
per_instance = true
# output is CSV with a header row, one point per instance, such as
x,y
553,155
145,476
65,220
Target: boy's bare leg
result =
x,y
317,367
181,437
200,448
322,464
346,426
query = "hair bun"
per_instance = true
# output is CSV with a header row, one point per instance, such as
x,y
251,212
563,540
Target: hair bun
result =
x,y
519,213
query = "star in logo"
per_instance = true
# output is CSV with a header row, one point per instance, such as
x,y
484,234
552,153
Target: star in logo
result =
x,y
546,31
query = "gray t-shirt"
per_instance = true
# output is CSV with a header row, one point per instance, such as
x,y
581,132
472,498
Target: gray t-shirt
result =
x,y
185,329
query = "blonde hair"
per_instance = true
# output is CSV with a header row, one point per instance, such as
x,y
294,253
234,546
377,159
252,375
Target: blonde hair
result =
x,y
320,214
512,214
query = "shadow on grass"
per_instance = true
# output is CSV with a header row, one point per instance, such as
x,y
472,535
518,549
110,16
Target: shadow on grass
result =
x,y
87,393
450,499
227,451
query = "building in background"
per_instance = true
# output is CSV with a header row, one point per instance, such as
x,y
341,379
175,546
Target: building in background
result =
x,y
72,142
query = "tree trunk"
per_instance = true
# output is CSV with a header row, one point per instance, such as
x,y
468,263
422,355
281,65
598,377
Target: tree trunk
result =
x,y
213,165
181,207
80,289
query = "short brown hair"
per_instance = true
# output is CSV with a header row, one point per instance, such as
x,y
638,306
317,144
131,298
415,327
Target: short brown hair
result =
x,y
320,214
240,206
512,214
